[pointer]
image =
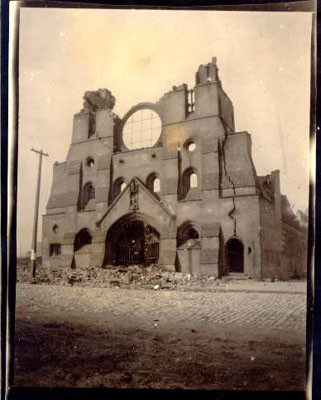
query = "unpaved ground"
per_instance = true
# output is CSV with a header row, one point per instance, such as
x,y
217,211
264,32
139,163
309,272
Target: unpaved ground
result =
x,y
93,337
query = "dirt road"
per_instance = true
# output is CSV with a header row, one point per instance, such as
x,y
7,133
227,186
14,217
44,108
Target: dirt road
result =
x,y
94,337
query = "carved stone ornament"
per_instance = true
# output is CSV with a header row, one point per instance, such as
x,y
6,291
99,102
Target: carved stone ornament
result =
x,y
133,193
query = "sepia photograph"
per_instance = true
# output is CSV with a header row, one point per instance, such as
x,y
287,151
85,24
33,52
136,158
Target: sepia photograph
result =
x,y
162,199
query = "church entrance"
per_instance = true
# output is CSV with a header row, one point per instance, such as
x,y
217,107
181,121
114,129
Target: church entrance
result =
x,y
132,242
235,255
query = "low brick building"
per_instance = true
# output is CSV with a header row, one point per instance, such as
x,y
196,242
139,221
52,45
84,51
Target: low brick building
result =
x,y
170,183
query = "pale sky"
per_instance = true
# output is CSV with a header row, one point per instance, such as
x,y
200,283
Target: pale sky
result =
x,y
263,61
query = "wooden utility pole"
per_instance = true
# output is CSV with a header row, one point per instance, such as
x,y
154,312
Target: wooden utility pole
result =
x,y
33,256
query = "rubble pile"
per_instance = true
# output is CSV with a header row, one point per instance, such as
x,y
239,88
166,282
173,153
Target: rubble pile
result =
x,y
152,277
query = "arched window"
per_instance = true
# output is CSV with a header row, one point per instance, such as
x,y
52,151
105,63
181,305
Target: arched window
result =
x,y
153,183
88,193
156,185
190,181
90,162
119,186
193,180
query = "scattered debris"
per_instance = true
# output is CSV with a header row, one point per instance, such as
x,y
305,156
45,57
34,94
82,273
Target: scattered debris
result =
x,y
114,283
139,276
151,277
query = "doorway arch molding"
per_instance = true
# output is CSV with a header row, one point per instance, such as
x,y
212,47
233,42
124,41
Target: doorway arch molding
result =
x,y
138,216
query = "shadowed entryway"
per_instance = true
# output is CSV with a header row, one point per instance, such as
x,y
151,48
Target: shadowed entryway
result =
x,y
235,255
132,242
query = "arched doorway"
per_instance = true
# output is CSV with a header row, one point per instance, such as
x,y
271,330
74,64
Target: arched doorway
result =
x,y
235,255
82,249
187,231
188,248
132,241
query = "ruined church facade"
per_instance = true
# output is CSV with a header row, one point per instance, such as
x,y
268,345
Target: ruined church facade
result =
x,y
170,183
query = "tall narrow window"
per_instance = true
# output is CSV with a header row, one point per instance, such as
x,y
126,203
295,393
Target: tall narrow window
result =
x,y
190,100
193,180
92,124
88,193
190,181
119,186
153,183
156,185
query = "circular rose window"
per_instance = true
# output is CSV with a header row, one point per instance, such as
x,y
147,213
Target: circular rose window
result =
x,y
142,129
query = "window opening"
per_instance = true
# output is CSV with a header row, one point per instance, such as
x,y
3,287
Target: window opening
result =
x,y
156,185
142,129
190,100
153,183
88,193
189,181
55,249
191,146
92,124
119,186
193,180
90,162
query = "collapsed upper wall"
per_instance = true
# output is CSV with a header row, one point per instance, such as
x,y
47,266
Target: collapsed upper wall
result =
x,y
96,119
202,114
207,98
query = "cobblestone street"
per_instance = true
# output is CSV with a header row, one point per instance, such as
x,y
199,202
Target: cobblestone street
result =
x,y
283,311
182,322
